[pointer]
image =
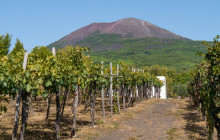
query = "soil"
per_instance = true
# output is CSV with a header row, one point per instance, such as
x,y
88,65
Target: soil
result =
x,y
150,124
172,119
153,119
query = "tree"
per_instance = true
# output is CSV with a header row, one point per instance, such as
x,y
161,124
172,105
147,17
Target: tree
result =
x,y
17,48
5,43
41,51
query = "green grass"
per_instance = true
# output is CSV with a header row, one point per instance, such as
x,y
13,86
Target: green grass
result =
x,y
171,133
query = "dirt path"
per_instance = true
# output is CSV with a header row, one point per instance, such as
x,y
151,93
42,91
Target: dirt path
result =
x,y
153,124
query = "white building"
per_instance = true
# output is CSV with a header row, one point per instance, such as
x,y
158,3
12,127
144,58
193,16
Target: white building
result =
x,y
163,91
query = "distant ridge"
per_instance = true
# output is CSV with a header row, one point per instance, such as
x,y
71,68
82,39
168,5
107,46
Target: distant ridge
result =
x,y
126,28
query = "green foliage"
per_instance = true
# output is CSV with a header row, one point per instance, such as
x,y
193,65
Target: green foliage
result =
x,y
130,79
41,51
179,54
17,48
176,81
204,86
180,89
69,67
4,44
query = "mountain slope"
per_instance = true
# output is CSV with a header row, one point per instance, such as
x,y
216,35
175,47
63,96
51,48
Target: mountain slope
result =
x,y
176,53
126,28
135,41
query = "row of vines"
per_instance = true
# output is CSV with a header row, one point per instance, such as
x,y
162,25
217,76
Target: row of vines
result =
x,y
68,72
204,87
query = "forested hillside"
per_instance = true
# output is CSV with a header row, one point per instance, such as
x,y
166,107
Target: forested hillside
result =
x,y
175,53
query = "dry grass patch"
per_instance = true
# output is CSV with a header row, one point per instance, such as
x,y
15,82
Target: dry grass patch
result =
x,y
189,124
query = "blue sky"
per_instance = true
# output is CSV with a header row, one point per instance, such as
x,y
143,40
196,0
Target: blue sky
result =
x,y
41,22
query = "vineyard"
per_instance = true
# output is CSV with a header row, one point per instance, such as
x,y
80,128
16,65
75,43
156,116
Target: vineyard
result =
x,y
59,83
68,74
205,87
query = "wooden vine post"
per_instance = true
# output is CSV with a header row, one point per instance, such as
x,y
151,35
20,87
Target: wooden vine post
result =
x,y
111,85
118,102
136,89
143,85
111,91
123,93
25,61
54,51
102,94
131,90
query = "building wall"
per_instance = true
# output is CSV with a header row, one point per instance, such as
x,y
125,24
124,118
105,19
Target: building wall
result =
x,y
163,93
